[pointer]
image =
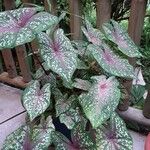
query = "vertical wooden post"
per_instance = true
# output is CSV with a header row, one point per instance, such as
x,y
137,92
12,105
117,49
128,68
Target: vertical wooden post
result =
x,y
9,4
136,22
75,21
136,19
146,109
23,63
34,46
1,64
103,12
6,53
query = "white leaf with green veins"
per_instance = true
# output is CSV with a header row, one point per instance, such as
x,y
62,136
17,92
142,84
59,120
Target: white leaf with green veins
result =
x,y
58,54
36,100
101,99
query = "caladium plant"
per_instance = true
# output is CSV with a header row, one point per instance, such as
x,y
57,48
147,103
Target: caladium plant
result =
x,y
20,26
118,35
81,92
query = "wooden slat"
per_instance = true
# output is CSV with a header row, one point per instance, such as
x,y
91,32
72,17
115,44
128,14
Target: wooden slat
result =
x,y
9,4
54,7
75,21
34,46
135,115
23,63
10,126
9,63
103,12
1,64
17,81
146,109
10,102
136,19
6,53
136,22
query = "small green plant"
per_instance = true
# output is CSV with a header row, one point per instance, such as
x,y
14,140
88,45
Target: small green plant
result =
x,y
77,83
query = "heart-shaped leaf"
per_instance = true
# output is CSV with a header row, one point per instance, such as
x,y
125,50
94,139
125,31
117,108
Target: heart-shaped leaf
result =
x,y
61,142
42,135
58,54
93,35
118,35
20,26
23,138
36,100
18,139
113,135
101,100
67,111
81,138
110,62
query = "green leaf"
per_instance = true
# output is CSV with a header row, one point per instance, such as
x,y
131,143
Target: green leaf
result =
x,y
61,142
58,54
101,99
19,26
63,104
93,35
110,62
82,84
118,35
36,100
82,139
44,79
71,117
137,93
17,140
41,22
113,135
81,64
42,135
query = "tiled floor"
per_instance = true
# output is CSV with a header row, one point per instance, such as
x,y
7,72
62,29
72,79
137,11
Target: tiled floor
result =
x,y
10,105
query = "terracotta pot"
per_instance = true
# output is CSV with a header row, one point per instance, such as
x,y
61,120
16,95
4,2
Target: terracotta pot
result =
x,y
147,142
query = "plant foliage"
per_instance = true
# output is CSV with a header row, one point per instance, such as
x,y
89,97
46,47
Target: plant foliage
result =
x,y
89,69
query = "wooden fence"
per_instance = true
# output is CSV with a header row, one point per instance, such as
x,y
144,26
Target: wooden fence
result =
x,y
21,75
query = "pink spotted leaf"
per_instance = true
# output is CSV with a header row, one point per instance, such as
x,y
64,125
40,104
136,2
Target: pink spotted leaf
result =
x,y
110,62
61,142
118,35
19,26
58,53
93,35
19,139
82,138
36,100
113,135
101,99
